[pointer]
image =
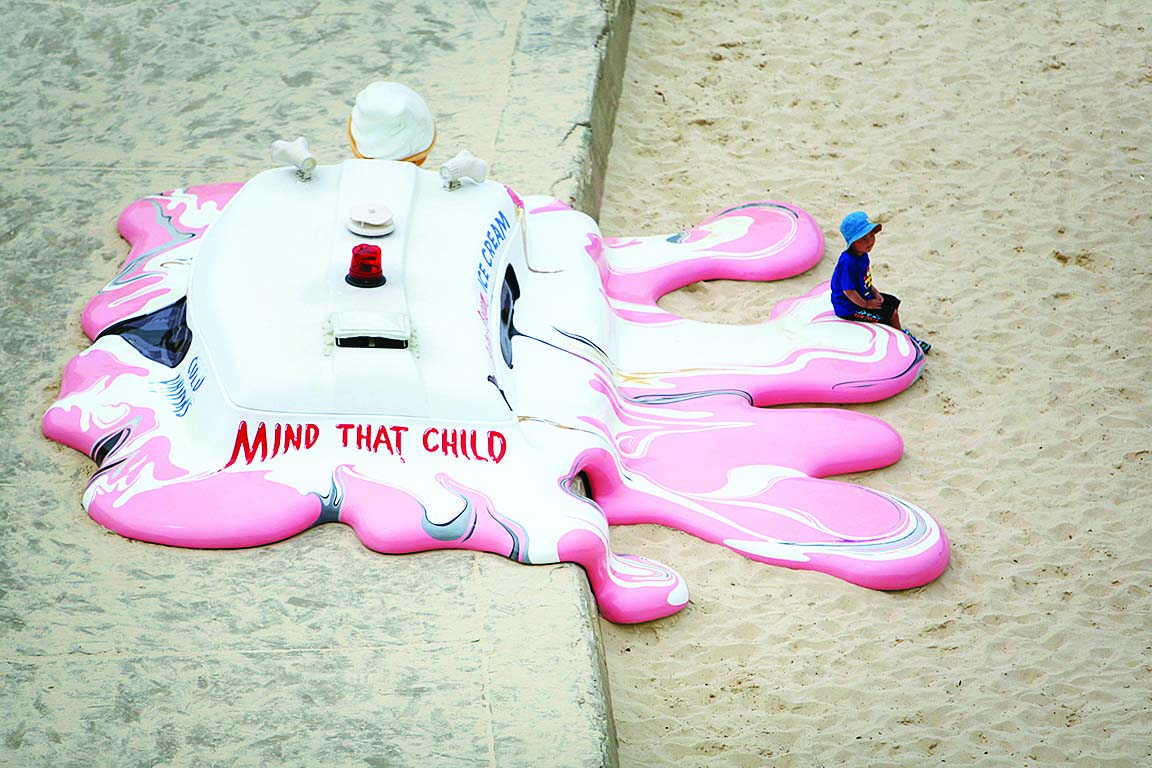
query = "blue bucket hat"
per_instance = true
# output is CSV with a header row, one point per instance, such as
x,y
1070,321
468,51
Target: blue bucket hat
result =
x,y
856,225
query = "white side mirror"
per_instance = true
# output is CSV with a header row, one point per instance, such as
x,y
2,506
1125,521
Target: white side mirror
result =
x,y
464,166
295,153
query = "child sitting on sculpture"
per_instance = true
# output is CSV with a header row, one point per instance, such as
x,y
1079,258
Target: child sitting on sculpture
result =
x,y
854,297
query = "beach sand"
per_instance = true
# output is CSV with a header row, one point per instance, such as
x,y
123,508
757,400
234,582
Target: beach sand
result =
x,y
314,651
1006,146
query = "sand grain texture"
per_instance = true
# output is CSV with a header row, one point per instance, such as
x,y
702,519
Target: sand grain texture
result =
x,y
1006,146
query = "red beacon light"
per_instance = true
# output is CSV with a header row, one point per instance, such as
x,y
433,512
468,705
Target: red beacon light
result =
x,y
365,270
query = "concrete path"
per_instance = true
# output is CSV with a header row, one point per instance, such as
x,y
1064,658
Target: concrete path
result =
x,y
316,651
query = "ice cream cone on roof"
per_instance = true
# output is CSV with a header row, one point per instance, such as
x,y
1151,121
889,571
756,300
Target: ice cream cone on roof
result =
x,y
391,122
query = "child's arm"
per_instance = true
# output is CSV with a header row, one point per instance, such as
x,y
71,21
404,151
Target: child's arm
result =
x,y
860,301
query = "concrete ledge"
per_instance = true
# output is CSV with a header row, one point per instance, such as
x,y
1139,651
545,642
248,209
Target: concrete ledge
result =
x,y
548,57
311,652
314,651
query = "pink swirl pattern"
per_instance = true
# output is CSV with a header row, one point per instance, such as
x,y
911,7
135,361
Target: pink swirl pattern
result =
x,y
660,416
152,274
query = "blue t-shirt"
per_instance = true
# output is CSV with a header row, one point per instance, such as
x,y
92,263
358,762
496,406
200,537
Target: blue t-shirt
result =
x,y
852,273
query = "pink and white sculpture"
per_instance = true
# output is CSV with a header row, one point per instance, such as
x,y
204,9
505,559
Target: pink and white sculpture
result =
x,y
240,389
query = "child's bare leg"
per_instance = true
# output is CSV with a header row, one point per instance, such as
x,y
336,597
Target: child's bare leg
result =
x,y
895,322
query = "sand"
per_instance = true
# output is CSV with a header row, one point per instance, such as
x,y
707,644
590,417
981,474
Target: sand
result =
x,y
1006,146
314,651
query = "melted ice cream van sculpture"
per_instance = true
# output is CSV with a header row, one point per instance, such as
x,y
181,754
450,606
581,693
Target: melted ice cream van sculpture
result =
x,y
268,359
